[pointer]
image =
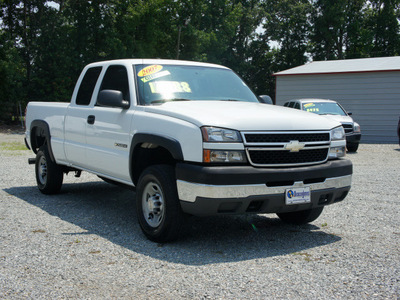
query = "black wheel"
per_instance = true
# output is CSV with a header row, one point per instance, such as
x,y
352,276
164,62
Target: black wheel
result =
x,y
49,175
352,147
301,217
158,210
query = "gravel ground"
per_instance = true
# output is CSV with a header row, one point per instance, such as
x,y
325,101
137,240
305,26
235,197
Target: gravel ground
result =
x,y
85,243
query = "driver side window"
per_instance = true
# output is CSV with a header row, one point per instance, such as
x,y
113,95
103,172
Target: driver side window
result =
x,y
116,78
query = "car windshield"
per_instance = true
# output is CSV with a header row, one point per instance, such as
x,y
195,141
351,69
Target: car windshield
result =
x,y
324,108
161,83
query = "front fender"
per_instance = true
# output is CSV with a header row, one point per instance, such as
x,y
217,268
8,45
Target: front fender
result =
x,y
151,140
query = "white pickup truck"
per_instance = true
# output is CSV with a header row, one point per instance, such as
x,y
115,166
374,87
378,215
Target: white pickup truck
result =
x,y
193,139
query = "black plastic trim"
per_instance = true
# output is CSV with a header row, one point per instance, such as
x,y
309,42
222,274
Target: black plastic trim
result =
x,y
172,145
26,144
239,175
46,129
353,138
168,143
260,204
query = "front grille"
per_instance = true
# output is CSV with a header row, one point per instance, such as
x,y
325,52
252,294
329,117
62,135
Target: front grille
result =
x,y
279,157
268,149
348,128
286,137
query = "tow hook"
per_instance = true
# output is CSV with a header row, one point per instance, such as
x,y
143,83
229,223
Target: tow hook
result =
x,y
31,161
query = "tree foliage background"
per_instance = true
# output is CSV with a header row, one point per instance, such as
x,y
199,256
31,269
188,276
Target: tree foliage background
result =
x,y
45,44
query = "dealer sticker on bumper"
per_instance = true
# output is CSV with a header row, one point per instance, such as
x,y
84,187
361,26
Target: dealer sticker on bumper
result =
x,y
298,195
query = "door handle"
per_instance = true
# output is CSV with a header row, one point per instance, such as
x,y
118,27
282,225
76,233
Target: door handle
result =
x,y
91,119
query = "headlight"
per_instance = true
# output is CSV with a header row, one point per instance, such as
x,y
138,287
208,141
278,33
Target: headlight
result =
x,y
336,152
357,128
338,134
221,135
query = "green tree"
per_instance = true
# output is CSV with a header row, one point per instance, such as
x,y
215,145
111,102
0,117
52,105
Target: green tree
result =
x,y
287,23
383,24
329,29
12,78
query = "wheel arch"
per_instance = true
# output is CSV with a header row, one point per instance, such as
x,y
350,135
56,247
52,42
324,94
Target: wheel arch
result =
x,y
39,136
149,149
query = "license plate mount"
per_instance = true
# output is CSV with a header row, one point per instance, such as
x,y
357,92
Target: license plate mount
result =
x,y
298,195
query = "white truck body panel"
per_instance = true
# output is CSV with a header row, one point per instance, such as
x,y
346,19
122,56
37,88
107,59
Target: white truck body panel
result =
x,y
188,144
234,115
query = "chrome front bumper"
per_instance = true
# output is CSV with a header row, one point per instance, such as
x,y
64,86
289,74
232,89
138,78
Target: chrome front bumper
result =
x,y
188,191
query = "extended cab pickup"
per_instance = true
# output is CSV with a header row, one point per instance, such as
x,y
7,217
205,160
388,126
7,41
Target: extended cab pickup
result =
x,y
193,139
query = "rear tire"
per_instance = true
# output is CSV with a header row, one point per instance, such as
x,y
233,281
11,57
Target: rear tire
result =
x,y
158,209
49,175
301,217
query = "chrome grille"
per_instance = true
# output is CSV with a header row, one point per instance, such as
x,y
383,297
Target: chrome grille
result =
x,y
286,137
276,148
287,157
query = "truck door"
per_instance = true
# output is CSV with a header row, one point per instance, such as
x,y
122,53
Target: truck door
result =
x,y
76,119
108,133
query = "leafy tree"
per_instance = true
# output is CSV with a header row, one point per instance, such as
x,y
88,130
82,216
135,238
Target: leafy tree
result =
x,y
12,78
329,20
383,22
288,24
43,46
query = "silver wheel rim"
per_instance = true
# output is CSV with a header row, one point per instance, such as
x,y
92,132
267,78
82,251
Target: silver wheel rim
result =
x,y
153,204
42,170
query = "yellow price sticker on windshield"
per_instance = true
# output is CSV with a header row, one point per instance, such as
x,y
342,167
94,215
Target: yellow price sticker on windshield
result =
x,y
308,105
150,70
169,87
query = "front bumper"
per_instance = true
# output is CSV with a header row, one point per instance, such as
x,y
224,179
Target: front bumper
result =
x,y
234,190
353,138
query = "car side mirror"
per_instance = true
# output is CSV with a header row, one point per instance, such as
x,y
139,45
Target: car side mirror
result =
x,y
112,98
265,99
350,113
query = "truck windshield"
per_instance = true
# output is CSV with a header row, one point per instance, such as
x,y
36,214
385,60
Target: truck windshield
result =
x,y
324,108
161,83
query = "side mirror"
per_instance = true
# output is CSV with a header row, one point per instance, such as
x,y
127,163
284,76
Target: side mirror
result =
x,y
112,98
350,113
265,99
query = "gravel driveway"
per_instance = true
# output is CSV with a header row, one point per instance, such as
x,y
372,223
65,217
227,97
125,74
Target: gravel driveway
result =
x,y
85,243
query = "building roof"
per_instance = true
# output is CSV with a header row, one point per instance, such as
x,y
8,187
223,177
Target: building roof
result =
x,y
377,64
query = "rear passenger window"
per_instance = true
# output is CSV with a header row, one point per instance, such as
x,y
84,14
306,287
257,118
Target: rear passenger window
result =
x,y
87,86
291,104
297,105
116,78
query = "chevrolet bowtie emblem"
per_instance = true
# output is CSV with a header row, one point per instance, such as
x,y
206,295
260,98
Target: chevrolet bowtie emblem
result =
x,y
294,146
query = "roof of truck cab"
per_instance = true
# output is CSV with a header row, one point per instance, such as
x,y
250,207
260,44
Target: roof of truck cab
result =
x,y
312,100
149,61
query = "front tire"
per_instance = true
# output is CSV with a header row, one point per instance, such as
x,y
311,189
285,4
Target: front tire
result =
x,y
352,147
301,217
158,209
49,175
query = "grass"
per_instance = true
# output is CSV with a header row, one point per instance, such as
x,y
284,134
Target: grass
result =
x,y
12,146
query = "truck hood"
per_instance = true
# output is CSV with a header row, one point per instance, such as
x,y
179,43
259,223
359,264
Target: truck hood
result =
x,y
242,116
341,119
